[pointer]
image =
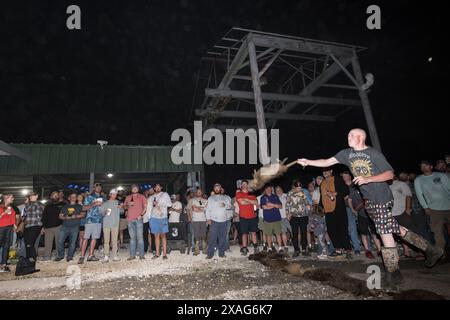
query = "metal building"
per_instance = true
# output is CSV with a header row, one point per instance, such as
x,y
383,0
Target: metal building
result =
x,y
47,167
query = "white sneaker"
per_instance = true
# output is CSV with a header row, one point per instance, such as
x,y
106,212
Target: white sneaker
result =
x,y
116,259
322,256
105,259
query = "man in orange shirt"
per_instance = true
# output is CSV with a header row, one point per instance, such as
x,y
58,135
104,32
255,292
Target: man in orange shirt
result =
x,y
248,221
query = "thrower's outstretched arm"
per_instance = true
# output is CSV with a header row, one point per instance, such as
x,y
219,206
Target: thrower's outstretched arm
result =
x,y
322,163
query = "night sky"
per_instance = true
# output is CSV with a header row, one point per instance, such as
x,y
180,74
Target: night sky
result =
x,y
128,75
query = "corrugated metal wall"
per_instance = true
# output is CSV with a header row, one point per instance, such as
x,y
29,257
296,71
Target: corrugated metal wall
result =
x,y
66,159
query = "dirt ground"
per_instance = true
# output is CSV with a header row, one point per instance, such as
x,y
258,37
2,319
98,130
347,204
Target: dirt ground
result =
x,y
189,277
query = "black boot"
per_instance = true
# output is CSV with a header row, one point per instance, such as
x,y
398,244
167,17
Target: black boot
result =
x,y
432,253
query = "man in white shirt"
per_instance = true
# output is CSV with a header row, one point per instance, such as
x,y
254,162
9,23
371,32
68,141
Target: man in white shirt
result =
x,y
159,223
198,221
285,225
216,215
175,209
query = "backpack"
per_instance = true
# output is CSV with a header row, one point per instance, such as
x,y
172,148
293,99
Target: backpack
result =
x,y
25,266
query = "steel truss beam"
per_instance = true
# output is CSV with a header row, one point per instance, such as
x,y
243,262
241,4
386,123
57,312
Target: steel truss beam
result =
x,y
252,115
217,93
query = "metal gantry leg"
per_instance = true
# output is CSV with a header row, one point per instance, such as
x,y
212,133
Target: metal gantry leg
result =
x,y
365,104
260,118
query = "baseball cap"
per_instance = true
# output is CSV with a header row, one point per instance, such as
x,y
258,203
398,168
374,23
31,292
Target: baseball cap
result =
x,y
113,191
217,184
173,197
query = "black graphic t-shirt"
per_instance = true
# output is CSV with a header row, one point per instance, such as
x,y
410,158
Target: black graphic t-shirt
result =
x,y
368,162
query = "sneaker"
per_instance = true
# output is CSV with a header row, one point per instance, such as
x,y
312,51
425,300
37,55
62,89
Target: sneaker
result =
x,y
273,249
306,253
57,259
143,258
81,260
222,256
270,250
105,259
6,269
286,249
92,258
115,259
123,247
296,254
255,248
209,257
357,253
131,258
69,259
369,254
281,251
154,257
265,247
244,251
322,256
164,257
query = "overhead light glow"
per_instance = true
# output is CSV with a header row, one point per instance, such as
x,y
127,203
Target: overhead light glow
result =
x,y
119,188
43,201
25,192
110,175
430,59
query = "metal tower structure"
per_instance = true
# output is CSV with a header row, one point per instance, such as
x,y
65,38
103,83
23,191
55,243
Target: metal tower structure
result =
x,y
250,74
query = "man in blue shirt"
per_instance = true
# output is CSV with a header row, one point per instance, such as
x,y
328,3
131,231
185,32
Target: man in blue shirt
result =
x,y
271,205
93,225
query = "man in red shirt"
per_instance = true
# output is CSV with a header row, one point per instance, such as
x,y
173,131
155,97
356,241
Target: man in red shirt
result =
x,y
248,221
136,204
8,218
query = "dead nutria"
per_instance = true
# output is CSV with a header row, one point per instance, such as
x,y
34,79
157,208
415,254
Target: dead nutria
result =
x,y
274,263
417,294
340,280
257,256
277,255
295,269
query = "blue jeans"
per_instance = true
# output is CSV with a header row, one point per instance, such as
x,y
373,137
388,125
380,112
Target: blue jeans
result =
x,y
216,238
227,240
72,233
136,231
353,230
192,238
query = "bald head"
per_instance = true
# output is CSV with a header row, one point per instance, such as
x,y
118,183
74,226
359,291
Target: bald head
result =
x,y
357,138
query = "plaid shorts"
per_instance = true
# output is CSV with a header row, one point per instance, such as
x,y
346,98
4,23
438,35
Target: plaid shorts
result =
x,y
381,214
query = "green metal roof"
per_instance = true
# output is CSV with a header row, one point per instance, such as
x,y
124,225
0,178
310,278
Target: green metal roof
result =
x,y
67,158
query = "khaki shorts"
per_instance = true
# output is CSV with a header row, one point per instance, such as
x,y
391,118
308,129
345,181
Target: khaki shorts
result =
x,y
285,225
272,228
